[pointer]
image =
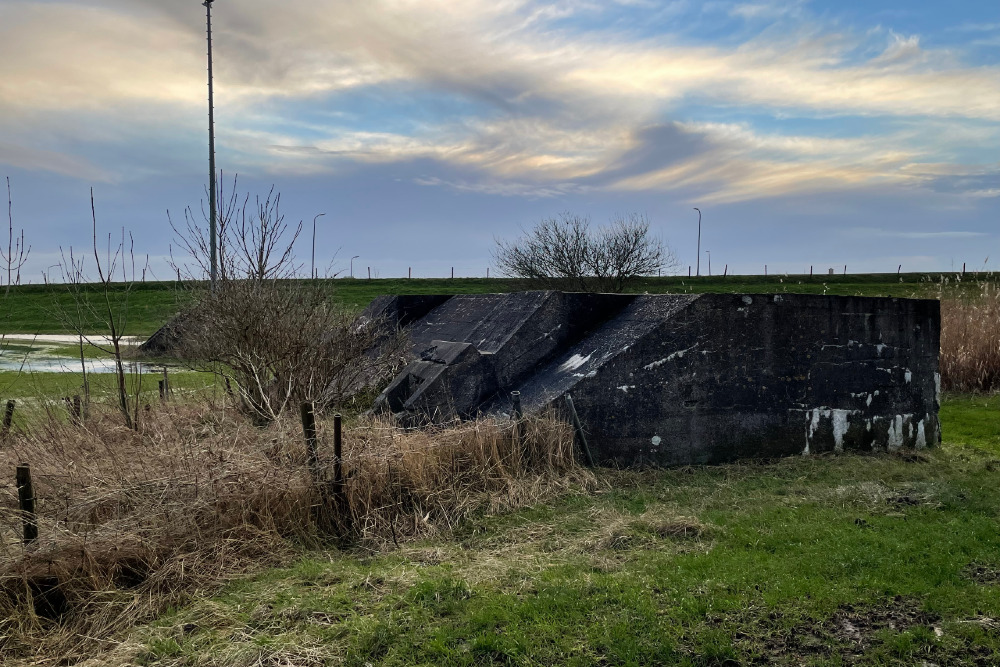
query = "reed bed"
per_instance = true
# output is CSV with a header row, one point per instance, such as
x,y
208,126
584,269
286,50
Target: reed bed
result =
x,y
132,523
970,337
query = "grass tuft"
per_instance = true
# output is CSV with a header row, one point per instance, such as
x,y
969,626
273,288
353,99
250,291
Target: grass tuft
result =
x,y
970,338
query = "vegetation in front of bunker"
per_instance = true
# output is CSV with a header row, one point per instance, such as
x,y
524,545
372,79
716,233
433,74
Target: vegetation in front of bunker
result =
x,y
883,559
133,522
277,340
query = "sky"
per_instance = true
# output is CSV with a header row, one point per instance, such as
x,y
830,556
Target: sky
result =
x,y
823,133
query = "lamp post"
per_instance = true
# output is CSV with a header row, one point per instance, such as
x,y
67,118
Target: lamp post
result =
x,y
352,264
709,253
214,259
697,271
312,266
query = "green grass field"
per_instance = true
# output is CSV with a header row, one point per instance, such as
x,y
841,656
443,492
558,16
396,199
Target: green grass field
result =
x,y
830,560
41,308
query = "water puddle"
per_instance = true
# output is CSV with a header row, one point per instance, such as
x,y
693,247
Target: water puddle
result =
x,y
47,354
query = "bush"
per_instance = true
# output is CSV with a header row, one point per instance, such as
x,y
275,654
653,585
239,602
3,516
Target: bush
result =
x,y
280,339
287,342
565,253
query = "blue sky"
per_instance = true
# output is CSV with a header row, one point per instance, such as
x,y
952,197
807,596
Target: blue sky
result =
x,y
808,133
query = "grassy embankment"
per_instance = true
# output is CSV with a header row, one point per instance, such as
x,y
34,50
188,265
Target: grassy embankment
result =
x,y
37,308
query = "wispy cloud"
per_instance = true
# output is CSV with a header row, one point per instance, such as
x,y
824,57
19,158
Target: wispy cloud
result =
x,y
550,107
902,234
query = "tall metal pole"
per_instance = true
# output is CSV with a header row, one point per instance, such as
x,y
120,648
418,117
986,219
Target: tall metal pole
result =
x,y
213,230
697,271
312,266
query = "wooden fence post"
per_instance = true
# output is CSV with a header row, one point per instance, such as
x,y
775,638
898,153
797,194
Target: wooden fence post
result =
x,y
309,432
518,415
26,503
338,454
8,416
578,427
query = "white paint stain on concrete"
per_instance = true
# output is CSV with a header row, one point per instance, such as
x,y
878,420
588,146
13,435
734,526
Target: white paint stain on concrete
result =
x,y
908,375
838,420
574,362
670,357
895,433
656,440
747,300
921,441
626,387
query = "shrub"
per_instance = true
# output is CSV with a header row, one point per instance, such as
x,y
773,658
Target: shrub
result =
x,y
565,253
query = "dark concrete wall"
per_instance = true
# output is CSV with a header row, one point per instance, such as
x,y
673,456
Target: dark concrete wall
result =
x,y
680,379
733,376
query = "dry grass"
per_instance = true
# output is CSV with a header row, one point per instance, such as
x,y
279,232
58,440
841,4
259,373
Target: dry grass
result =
x,y
970,338
134,522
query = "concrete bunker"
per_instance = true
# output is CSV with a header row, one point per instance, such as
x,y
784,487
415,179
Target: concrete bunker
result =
x,y
680,379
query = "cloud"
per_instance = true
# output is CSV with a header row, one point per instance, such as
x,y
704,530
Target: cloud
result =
x,y
32,158
505,188
868,232
548,107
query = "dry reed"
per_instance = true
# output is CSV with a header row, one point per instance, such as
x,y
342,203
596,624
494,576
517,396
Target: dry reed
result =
x,y
970,337
134,522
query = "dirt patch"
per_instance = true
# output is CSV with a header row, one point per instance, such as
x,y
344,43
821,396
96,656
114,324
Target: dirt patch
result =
x,y
983,574
848,633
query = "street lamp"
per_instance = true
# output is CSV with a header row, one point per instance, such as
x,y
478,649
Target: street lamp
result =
x,y
312,266
212,234
697,271
352,264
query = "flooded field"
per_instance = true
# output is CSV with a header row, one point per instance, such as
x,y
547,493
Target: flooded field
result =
x,y
60,354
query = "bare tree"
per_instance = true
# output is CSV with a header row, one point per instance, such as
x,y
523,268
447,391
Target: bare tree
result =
x,y
566,253
12,260
281,340
104,304
16,255
285,342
